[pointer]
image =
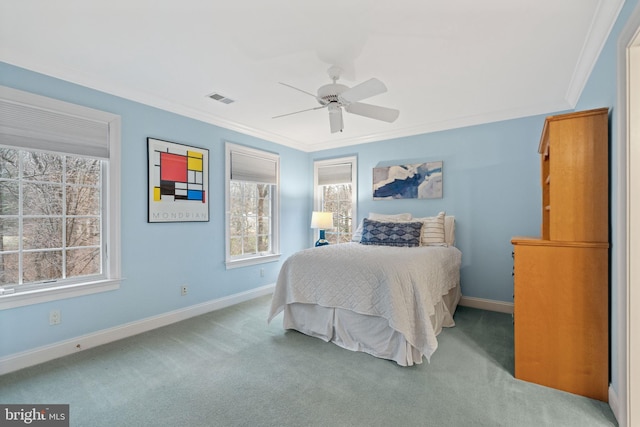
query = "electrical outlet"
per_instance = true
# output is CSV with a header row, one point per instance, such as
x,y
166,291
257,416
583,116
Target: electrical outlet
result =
x,y
262,272
54,317
183,290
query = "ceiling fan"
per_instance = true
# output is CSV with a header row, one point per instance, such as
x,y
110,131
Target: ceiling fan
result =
x,y
335,96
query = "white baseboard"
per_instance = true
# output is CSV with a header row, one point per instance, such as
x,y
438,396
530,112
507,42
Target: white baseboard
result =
x,y
614,404
43,354
487,304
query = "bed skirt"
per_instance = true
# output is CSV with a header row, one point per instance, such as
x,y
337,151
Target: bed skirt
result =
x,y
365,333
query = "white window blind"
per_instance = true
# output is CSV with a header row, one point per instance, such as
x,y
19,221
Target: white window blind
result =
x,y
32,124
247,167
334,174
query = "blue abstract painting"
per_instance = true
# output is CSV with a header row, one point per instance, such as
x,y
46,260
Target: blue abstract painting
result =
x,y
417,181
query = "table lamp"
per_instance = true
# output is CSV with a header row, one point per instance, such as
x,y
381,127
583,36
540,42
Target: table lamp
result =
x,y
322,221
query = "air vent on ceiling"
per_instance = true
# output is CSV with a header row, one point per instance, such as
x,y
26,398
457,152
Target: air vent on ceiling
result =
x,y
217,97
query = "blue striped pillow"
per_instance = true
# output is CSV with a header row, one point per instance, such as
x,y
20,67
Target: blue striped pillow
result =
x,y
391,233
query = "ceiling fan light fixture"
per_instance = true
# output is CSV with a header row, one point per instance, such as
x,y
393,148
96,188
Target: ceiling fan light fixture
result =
x,y
330,93
334,96
335,117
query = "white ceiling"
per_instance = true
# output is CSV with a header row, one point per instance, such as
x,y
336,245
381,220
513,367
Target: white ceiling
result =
x,y
446,64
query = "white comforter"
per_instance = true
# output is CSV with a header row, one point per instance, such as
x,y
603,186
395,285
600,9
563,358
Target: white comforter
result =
x,y
401,285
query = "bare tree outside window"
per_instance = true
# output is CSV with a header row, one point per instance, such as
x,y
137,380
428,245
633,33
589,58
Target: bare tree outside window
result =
x,y
337,198
250,218
50,217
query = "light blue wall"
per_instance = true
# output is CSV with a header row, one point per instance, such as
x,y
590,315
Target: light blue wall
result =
x,y
491,185
157,258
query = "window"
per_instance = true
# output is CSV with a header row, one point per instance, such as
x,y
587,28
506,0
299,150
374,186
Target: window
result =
x,y
252,199
336,189
59,188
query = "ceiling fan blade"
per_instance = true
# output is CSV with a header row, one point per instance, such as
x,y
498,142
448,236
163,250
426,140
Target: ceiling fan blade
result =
x,y
299,90
364,90
335,117
301,111
373,111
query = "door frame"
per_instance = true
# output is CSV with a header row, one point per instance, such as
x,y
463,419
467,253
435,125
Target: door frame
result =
x,y
633,231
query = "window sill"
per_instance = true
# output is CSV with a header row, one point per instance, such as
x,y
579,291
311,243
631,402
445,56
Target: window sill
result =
x,y
19,299
252,261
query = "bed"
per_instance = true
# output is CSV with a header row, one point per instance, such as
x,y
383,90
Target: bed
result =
x,y
388,301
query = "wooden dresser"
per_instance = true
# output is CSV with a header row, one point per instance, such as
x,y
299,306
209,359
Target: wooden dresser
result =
x,y
561,280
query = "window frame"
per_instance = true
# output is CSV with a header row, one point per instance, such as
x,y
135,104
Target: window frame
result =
x,y
317,193
110,278
259,258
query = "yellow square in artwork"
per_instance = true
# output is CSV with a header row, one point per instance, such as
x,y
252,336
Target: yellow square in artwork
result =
x,y
156,194
194,163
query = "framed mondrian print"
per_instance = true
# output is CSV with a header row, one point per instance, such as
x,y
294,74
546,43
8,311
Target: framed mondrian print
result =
x,y
178,182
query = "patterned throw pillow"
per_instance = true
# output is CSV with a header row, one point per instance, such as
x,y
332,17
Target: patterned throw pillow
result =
x,y
357,235
391,233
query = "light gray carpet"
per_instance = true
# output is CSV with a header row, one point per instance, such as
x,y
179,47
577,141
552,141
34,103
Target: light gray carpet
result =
x,y
229,368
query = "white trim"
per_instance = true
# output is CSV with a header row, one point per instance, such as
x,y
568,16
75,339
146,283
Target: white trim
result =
x,y
614,403
604,18
20,299
487,304
627,408
46,353
632,143
113,249
258,259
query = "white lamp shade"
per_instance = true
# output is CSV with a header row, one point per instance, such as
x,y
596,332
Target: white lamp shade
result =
x,y
322,220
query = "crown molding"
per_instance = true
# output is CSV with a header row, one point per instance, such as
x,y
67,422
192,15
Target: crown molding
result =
x,y
604,18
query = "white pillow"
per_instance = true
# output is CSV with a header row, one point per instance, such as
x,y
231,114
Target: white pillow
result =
x,y
390,217
357,235
433,230
450,230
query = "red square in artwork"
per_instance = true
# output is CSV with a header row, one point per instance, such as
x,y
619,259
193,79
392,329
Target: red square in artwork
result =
x,y
173,167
